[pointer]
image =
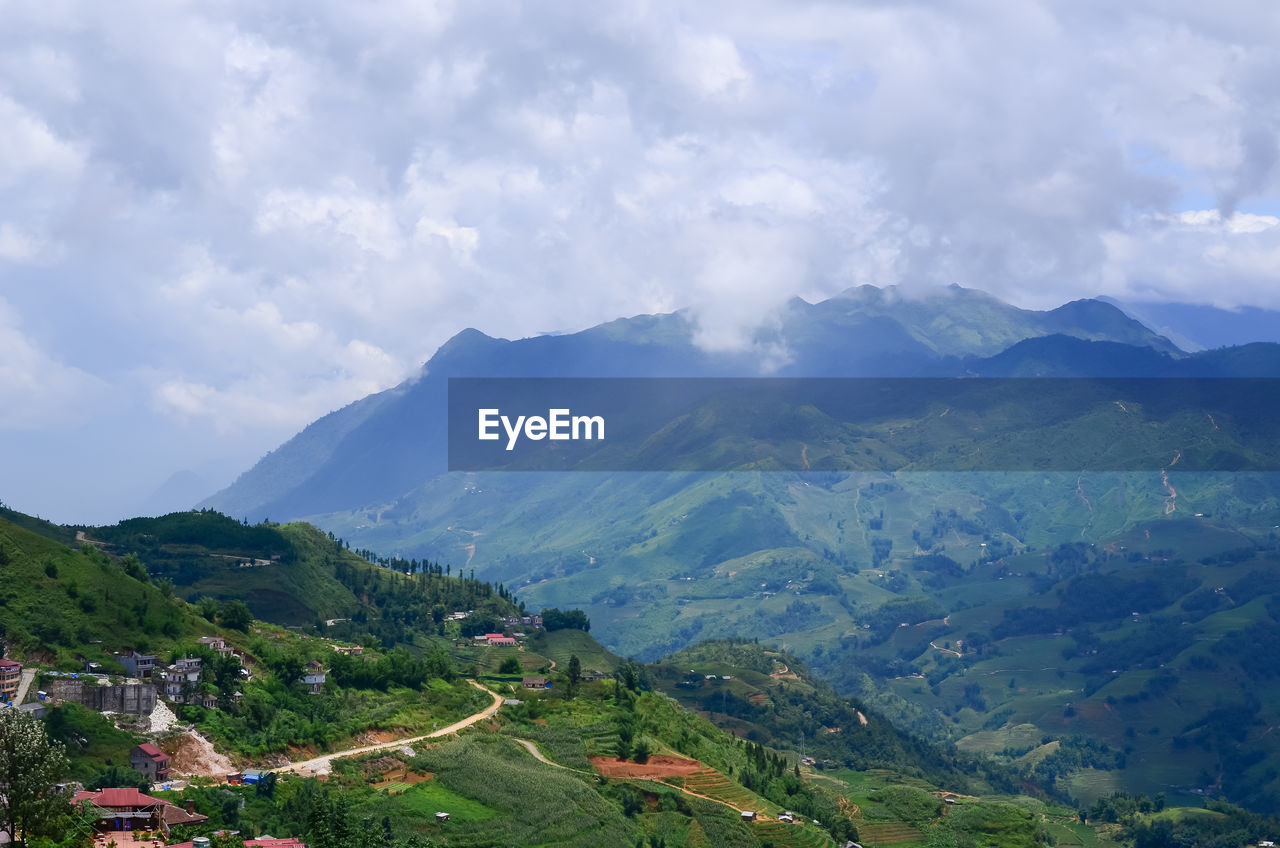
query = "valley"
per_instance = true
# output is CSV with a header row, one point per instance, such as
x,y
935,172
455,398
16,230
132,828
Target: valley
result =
x,y
899,587
1048,655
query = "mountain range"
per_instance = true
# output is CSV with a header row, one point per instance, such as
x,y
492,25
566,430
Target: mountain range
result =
x,y
898,587
387,444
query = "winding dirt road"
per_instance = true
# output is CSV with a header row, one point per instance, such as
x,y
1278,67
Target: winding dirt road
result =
x,y
321,765
540,757
938,647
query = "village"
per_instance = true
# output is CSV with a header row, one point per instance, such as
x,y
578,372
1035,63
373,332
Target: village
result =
x,y
143,701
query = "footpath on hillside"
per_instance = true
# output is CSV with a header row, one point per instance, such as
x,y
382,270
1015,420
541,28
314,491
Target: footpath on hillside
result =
x,y
323,764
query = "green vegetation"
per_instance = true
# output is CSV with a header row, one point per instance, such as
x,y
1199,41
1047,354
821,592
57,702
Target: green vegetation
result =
x,y
393,692
94,743
781,740
59,605
294,575
497,792
32,809
1017,592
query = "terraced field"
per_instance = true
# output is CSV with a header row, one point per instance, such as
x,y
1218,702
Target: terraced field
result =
x,y
785,835
599,739
713,784
888,833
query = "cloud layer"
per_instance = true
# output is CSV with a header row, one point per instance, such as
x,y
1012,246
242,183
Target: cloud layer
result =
x,y
235,217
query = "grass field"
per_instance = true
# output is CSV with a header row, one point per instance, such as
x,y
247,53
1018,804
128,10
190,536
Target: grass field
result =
x,y
428,798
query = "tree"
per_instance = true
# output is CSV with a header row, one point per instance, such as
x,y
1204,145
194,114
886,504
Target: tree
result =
x,y
118,775
134,568
575,672
208,607
267,786
30,765
626,733
289,669
224,671
235,614
556,619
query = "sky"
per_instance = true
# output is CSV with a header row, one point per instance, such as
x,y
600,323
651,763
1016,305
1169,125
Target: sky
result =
x,y
221,221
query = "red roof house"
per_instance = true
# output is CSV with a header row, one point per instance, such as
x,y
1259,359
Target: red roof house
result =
x,y
150,762
125,808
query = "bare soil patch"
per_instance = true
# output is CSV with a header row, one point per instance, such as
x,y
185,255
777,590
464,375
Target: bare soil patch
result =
x,y
659,766
194,755
408,778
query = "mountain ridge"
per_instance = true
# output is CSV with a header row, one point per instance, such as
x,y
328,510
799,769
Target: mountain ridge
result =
x,y
365,453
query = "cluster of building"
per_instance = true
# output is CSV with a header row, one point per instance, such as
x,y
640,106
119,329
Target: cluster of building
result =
x,y
533,622
180,681
129,812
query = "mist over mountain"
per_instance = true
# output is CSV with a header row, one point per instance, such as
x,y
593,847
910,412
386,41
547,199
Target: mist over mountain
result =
x,y
386,444
1199,327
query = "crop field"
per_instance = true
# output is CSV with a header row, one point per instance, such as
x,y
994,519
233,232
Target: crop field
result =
x,y
797,835
713,784
888,833
560,645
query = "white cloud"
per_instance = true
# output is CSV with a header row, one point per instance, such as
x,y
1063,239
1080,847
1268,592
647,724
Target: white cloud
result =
x,y
30,150
239,213
1172,257
18,246
37,391
710,64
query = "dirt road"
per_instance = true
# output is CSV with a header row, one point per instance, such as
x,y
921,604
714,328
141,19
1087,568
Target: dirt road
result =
x,y
322,765
538,755
938,647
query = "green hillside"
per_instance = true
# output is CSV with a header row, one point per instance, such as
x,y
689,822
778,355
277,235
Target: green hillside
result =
x,y
617,762
1146,661
64,608
650,754
295,575
829,566
59,604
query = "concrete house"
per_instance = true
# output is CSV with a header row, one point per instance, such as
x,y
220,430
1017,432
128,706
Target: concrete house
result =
x,y
150,762
314,678
216,643
138,665
181,680
10,677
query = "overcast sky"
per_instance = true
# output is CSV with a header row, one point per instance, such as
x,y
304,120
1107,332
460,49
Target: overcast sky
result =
x,y
219,221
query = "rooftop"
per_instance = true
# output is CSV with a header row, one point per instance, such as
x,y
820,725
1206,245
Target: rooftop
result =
x,y
118,797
